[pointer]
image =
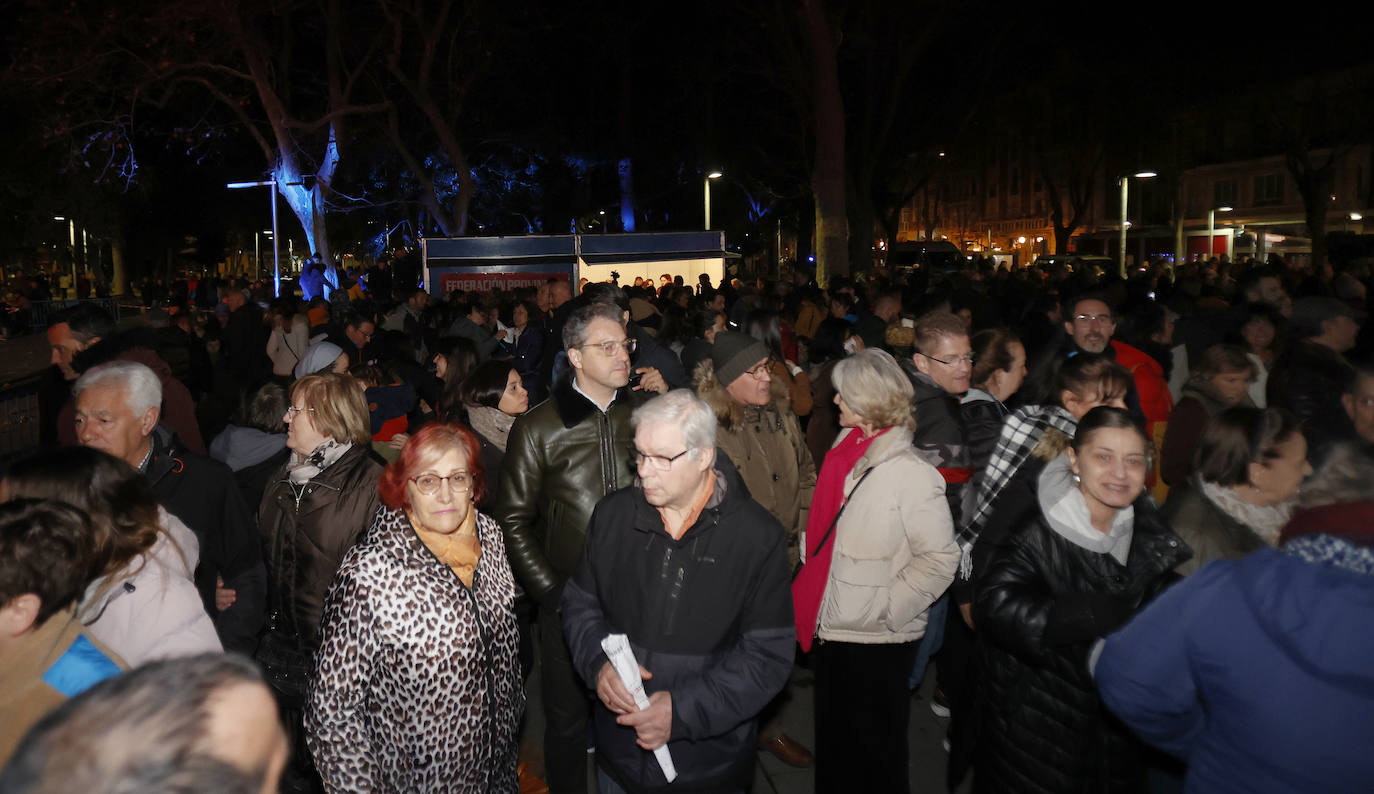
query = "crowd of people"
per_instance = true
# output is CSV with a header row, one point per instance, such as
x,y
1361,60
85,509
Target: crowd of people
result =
x,y
321,544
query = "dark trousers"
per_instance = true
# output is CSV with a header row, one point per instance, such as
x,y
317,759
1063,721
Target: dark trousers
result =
x,y
956,669
566,710
862,709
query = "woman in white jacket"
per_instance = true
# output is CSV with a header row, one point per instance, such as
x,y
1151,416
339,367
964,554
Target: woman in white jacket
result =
x,y
143,602
879,551
288,342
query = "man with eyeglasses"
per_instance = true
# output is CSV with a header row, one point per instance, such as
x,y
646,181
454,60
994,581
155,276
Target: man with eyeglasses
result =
x,y
940,371
760,434
695,573
353,335
561,457
1358,401
1089,325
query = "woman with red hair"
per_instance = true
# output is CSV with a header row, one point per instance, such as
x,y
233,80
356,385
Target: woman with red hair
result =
x,y
416,684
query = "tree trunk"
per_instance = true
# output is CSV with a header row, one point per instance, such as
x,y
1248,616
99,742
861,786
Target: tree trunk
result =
x,y
828,169
119,276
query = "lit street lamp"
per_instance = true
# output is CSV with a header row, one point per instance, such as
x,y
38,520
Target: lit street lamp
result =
x,y
1211,226
1125,181
276,263
716,174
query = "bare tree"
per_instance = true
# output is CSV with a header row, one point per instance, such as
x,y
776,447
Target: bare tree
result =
x,y
284,74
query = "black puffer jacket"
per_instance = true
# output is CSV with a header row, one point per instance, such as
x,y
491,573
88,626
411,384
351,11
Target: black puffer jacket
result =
x,y
982,415
1040,603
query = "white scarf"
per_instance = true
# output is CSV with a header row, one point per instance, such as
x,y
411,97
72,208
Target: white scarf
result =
x,y
304,469
1264,520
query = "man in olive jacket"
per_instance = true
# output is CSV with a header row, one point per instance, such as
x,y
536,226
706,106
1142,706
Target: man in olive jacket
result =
x,y
561,458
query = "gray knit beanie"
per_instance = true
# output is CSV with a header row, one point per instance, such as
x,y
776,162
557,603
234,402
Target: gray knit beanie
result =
x,y
733,352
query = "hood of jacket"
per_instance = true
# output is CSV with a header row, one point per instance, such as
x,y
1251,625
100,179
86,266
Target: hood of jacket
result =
x,y
1305,608
729,412
1066,511
241,447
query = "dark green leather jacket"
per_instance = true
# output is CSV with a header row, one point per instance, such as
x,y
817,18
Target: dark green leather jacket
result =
x,y
562,457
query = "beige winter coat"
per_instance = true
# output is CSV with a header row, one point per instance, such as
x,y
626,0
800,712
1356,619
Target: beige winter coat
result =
x,y
894,547
768,448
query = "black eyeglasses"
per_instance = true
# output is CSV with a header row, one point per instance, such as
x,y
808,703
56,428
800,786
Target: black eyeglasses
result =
x,y
967,358
1105,319
660,462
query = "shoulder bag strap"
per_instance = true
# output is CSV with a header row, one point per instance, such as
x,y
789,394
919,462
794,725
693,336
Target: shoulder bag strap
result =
x,y
840,512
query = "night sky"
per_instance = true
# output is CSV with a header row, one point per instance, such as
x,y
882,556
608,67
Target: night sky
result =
x,y
556,95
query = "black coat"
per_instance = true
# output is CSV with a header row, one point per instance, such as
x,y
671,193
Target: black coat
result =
x,y
306,536
1040,603
562,456
709,614
940,438
203,494
1308,380
982,427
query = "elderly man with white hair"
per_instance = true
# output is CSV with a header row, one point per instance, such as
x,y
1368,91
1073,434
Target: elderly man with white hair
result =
x,y
695,573
118,405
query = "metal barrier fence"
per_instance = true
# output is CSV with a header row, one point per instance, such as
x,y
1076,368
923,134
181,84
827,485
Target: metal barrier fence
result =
x,y
40,311
19,419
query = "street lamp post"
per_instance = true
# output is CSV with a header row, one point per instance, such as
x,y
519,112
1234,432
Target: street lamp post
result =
x,y
1211,226
276,262
706,183
1125,181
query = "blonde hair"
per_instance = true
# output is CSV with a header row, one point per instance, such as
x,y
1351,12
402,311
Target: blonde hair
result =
x,y
340,410
875,388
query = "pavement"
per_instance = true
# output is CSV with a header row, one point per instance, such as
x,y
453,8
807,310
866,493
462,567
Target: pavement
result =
x,y
925,736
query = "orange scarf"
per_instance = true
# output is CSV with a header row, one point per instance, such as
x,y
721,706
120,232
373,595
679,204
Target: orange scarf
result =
x,y
459,550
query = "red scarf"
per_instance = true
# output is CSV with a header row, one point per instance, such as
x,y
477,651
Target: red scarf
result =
x,y
809,587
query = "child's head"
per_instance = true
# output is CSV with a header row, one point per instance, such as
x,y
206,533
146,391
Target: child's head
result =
x,y
45,562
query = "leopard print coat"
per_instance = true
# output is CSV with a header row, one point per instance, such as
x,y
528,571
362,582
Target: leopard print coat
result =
x,y
416,686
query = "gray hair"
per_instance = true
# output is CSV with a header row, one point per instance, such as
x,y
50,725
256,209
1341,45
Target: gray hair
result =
x,y
683,408
265,409
145,730
1343,479
142,389
575,330
873,386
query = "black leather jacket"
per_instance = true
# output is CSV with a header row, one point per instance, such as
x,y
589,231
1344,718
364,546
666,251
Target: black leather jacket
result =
x,y
1040,603
561,458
